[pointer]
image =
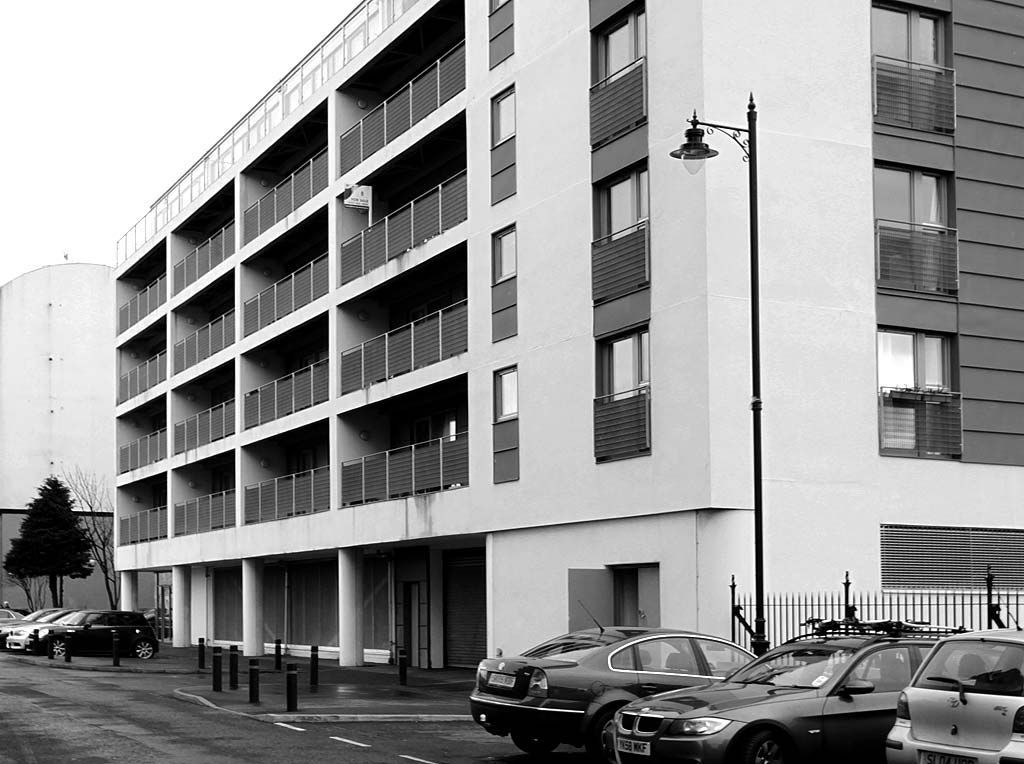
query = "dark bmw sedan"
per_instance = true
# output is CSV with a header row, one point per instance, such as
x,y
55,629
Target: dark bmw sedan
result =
x,y
567,690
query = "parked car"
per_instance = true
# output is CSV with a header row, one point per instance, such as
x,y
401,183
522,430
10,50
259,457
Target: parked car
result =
x,y
829,696
965,704
91,632
7,614
567,690
34,620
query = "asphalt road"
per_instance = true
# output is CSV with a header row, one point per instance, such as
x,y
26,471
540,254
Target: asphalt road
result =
x,y
69,717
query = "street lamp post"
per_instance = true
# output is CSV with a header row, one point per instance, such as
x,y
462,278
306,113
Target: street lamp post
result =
x,y
693,153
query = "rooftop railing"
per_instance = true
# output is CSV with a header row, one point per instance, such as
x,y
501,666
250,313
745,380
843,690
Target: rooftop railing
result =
x,y
622,424
142,304
920,422
205,257
286,197
147,450
308,283
434,465
287,496
919,96
142,377
205,513
216,423
618,103
413,102
206,341
620,263
359,29
916,256
425,341
299,390
147,525
427,216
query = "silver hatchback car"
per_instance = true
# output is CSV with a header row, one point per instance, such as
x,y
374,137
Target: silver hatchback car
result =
x,y
965,704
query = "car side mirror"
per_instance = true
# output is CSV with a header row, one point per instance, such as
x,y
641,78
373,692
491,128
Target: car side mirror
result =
x,y
86,625
857,687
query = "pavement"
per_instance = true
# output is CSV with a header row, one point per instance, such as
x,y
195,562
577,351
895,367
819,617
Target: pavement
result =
x,y
341,694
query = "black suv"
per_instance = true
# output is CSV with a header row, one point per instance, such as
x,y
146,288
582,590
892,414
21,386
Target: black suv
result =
x,y
92,632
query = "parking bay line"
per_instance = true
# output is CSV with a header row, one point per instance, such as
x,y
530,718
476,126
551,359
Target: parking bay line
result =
x,y
350,742
289,726
413,758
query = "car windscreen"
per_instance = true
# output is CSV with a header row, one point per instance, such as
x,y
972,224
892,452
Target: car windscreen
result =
x,y
572,647
981,666
51,617
73,619
796,665
35,615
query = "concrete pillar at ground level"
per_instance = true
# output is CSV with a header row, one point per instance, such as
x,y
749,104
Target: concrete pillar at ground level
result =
x,y
129,590
350,609
252,607
181,605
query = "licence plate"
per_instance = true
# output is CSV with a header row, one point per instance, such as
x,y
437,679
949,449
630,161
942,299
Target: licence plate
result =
x,y
501,680
934,757
626,745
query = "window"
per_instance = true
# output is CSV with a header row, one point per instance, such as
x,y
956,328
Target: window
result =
x,y
913,360
722,657
910,196
889,669
621,44
624,364
496,4
673,655
504,255
622,203
506,394
907,35
503,116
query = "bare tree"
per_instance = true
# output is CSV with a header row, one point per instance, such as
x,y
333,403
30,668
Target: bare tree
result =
x,y
96,516
34,588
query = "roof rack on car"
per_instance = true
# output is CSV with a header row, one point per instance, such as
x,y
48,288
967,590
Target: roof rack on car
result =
x,y
888,627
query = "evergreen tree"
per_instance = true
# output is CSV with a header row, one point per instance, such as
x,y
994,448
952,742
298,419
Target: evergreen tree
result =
x,y
52,542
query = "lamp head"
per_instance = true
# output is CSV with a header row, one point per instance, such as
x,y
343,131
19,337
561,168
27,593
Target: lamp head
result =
x,y
694,151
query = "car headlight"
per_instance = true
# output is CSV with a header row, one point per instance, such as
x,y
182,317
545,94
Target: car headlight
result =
x,y
705,725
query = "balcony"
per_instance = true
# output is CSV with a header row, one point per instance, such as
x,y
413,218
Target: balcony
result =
x,y
426,341
618,103
622,424
147,525
915,256
147,450
433,213
205,342
299,390
918,96
142,304
288,496
620,263
142,377
915,422
300,288
428,467
205,513
214,424
287,196
412,103
205,258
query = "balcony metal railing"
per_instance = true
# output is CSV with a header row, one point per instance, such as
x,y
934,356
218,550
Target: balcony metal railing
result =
x,y
916,256
618,103
299,390
205,342
216,423
434,465
298,494
622,424
308,283
142,377
205,513
620,263
413,102
920,96
147,525
423,218
205,257
142,304
148,449
359,29
287,196
426,341
920,422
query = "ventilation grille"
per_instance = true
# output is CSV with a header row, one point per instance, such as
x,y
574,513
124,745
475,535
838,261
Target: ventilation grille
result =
x,y
947,557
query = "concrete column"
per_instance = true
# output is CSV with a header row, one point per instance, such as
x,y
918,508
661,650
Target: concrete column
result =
x,y
181,605
129,590
252,607
350,609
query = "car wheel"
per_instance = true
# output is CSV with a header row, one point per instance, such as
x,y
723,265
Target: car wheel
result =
x,y
765,747
534,745
600,740
144,649
60,647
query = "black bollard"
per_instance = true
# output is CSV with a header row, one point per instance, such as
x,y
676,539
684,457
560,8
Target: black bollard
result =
x,y
202,653
254,680
277,655
217,662
291,686
49,648
402,667
233,667
67,647
115,647
314,667
33,641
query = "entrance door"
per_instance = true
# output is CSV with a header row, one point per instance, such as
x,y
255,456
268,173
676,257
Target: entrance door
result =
x,y
163,612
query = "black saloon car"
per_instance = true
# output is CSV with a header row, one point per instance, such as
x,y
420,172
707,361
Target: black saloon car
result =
x,y
825,697
567,690
92,632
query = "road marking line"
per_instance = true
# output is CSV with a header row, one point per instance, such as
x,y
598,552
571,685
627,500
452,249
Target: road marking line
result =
x,y
413,758
289,726
350,742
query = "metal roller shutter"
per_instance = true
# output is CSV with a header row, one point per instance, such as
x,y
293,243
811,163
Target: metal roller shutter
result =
x,y
465,608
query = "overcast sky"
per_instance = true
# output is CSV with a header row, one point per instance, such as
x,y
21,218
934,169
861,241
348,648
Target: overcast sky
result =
x,y
106,104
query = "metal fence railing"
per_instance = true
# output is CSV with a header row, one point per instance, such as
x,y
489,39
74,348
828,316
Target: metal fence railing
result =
x,y
289,495
295,290
622,424
921,422
142,304
915,95
620,262
147,450
286,197
205,513
147,525
294,392
215,423
205,342
144,376
618,103
916,256
205,257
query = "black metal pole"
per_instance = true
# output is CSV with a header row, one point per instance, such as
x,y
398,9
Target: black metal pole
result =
x,y
67,647
277,655
314,667
233,667
218,662
292,686
403,664
115,647
254,681
202,653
